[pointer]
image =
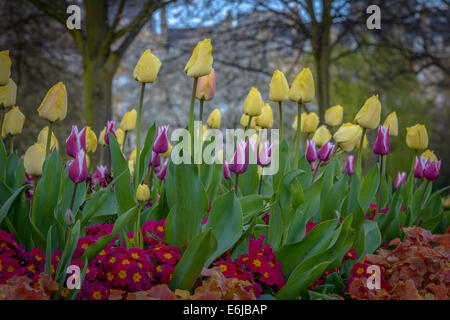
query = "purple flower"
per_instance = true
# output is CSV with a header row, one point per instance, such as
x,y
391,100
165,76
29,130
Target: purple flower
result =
x,y
382,145
325,151
432,169
109,129
311,152
161,144
162,172
155,160
400,179
226,170
78,170
350,165
419,167
264,156
100,173
76,141
238,161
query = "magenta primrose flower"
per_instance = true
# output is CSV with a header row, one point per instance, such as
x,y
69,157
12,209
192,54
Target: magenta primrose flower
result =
x,y
350,165
382,145
400,179
109,129
226,170
311,152
78,170
419,167
238,161
161,144
432,169
325,151
76,141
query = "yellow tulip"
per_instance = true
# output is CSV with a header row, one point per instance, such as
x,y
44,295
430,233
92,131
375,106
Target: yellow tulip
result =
x,y
13,122
294,124
167,153
147,68
334,115
131,166
101,138
253,103
120,136
88,161
5,67
365,143
128,122
214,119
417,137
347,136
321,136
34,159
265,120
8,94
302,89
142,193
369,115
204,131
206,87
91,140
428,154
42,139
310,122
132,156
392,122
279,87
244,121
54,106
200,63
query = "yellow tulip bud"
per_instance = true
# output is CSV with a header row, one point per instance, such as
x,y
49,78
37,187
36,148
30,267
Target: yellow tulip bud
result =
x,y
302,89
147,68
5,67
214,119
128,122
347,136
265,120
369,115
13,122
428,154
200,63
334,115
34,159
88,161
101,138
279,87
167,153
321,136
309,122
142,193
132,156
365,142
392,122
54,106
42,139
8,94
131,166
417,137
91,140
244,121
120,136
206,87
294,124
253,103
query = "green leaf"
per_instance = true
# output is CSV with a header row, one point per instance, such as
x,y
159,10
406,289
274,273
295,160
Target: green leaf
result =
x,y
369,188
251,203
67,254
48,253
7,205
372,237
2,161
104,202
15,171
146,152
283,164
333,199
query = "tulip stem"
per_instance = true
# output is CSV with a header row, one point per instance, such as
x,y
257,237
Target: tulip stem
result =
x,y
361,145
73,196
248,125
260,183
379,185
138,138
281,120
236,184
316,170
49,138
191,112
297,143
201,111
11,145
150,179
137,236
423,194
102,151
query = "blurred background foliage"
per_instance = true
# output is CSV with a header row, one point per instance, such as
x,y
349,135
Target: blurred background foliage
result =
x,y
406,62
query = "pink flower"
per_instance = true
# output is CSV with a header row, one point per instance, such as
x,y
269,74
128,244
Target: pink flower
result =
x,y
206,86
162,172
78,170
419,167
311,152
100,173
264,156
238,161
109,129
432,169
76,141
400,179
155,160
382,145
325,151
161,144
226,170
350,165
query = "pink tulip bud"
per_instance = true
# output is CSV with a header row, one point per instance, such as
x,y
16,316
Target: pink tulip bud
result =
x,y
311,152
382,145
238,161
432,169
419,167
400,179
350,165
206,86
226,170
252,143
76,141
155,160
161,144
109,129
78,170
100,173
162,172
264,156
325,151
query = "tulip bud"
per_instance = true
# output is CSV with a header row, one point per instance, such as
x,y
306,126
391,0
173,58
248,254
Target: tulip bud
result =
x,y
131,167
309,122
142,193
432,169
253,103
350,165
214,119
253,143
91,140
347,136
42,139
101,137
279,87
429,155
120,137
311,152
200,63
369,115
419,167
392,122
5,67
417,137
325,152
13,122
8,94
399,180
334,115
34,159
226,170
321,136
382,145
244,121
206,86
294,124
302,89
265,120
155,160
239,157
161,144
265,154
128,122
109,129
76,141
100,173
78,170
54,106
162,172
147,68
